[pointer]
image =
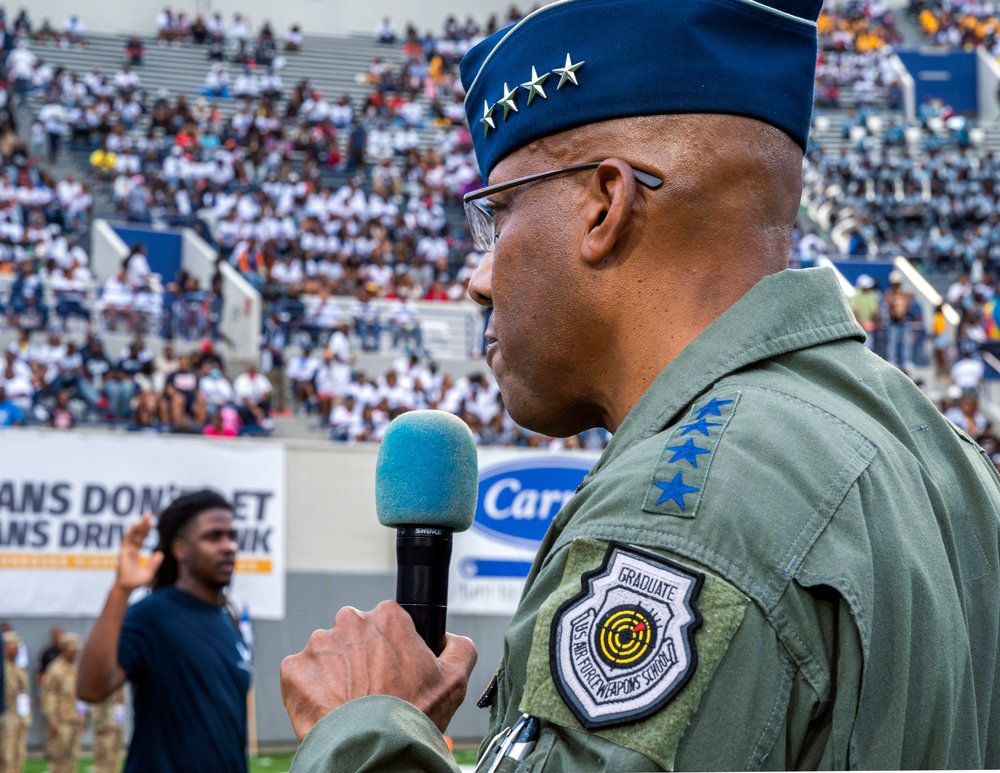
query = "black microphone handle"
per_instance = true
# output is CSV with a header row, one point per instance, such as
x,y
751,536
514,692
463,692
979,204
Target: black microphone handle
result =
x,y
423,554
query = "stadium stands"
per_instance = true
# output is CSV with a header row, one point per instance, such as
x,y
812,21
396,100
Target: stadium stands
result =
x,y
331,174
959,23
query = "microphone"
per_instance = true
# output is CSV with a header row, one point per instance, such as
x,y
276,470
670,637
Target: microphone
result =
x,y
426,485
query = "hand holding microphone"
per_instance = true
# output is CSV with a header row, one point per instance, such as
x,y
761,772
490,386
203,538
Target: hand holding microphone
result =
x,y
426,481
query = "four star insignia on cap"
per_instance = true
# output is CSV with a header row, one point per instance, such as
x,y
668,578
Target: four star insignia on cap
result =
x,y
509,101
534,86
487,119
567,73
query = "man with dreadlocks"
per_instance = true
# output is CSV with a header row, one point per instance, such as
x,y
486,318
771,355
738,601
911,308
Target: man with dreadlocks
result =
x,y
180,647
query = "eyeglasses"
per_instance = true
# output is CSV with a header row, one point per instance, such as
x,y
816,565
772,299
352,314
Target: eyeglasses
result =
x,y
479,212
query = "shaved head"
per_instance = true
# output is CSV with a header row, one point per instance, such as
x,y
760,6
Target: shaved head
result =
x,y
726,177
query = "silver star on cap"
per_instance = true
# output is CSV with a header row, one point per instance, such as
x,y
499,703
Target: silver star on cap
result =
x,y
487,119
568,73
509,101
534,86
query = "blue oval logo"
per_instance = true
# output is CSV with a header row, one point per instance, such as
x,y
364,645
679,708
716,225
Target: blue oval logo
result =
x,y
518,500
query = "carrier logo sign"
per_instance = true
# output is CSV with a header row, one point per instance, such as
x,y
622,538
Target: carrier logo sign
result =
x,y
623,647
518,500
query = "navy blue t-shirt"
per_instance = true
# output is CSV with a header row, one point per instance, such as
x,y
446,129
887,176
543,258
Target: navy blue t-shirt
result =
x,y
190,673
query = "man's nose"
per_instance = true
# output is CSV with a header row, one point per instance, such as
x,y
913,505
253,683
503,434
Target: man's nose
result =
x,y
479,285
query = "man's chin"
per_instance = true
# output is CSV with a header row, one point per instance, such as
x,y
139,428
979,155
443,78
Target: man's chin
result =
x,y
549,424
222,580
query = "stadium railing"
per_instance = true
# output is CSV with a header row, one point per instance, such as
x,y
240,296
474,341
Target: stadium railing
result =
x,y
240,321
987,84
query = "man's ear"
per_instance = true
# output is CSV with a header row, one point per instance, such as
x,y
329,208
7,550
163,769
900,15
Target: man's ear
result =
x,y
607,208
179,548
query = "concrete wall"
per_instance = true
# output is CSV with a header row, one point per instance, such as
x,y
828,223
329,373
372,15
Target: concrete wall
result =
x,y
315,16
946,75
107,251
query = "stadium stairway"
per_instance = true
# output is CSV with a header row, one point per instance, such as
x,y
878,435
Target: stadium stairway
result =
x,y
827,131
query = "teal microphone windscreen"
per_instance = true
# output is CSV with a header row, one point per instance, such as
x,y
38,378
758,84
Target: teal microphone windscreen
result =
x,y
427,472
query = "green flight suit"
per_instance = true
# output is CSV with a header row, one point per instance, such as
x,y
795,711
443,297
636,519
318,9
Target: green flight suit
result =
x,y
845,538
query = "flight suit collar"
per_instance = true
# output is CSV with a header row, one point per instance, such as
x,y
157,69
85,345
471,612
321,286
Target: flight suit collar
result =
x,y
782,313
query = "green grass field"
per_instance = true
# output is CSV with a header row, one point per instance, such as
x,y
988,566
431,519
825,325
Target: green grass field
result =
x,y
278,763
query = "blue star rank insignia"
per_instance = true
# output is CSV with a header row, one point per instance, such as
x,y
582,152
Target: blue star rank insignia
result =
x,y
678,482
675,490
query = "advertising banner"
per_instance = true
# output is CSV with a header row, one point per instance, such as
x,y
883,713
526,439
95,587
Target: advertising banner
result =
x,y
519,495
67,499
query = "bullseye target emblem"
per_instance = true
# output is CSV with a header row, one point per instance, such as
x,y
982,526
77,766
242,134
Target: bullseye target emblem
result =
x,y
623,646
625,636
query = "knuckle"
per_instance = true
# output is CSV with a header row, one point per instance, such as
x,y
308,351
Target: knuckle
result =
x,y
347,616
315,638
390,611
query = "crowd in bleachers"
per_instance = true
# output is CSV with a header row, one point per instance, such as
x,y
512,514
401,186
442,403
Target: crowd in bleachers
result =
x,y
959,23
71,33
260,178
217,35
854,55
937,203
869,78
48,380
323,202
897,330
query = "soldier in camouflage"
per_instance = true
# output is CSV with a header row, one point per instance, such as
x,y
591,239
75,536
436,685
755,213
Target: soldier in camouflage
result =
x,y
16,720
64,715
108,718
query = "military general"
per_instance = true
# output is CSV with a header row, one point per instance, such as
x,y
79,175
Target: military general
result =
x,y
786,557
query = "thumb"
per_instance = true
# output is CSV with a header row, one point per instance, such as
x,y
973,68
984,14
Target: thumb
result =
x,y
459,654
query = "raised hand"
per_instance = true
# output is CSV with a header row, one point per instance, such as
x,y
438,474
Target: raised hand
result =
x,y
133,572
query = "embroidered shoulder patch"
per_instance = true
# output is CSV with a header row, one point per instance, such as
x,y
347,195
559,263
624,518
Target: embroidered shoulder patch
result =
x,y
623,647
681,471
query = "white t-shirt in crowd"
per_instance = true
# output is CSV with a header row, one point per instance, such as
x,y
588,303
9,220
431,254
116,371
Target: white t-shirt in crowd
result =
x,y
254,387
967,373
217,391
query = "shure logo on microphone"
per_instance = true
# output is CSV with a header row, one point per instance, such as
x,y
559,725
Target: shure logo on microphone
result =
x,y
425,531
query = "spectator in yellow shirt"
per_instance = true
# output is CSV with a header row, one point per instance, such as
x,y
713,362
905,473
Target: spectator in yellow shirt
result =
x,y
103,160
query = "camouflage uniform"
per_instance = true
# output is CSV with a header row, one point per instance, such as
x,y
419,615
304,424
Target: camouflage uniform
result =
x,y
109,728
13,726
65,721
